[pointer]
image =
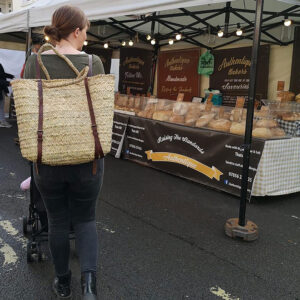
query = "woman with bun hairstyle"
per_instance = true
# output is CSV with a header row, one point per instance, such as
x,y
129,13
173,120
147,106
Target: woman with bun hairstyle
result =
x,y
69,192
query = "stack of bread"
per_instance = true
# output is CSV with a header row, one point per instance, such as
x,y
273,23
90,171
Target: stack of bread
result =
x,y
205,115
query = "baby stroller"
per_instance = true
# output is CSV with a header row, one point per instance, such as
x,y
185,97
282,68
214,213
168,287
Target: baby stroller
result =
x,y
35,226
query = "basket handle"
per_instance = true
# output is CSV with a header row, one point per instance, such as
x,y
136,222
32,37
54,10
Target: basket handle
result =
x,y
81,76
46,46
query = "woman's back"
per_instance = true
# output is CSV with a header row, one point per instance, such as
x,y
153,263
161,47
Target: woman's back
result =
x,y
58,69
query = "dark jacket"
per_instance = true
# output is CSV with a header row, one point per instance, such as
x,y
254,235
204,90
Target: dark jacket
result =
x,y
3,82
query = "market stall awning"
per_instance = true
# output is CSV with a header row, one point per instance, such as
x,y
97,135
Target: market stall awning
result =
x,y
40,12
198,20
294,2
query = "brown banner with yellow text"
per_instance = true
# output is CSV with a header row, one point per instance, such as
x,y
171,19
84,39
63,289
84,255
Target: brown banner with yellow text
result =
x,y
177,73
210,157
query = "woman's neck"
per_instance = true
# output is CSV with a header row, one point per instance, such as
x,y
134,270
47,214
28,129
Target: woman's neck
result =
x,y
67,47
64,47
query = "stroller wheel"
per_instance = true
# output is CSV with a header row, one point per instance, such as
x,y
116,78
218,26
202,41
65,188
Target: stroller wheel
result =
x,y
30,253
41,256
26,229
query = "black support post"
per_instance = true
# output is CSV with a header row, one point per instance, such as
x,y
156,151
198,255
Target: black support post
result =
x,y
250,110
239,227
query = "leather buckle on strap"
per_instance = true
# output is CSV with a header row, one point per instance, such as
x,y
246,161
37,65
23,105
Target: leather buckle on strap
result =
x,y
40,135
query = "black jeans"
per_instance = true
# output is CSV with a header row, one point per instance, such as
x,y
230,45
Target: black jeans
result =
x,y
70,194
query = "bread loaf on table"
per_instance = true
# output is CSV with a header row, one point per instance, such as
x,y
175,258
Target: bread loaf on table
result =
x,y
137,102
262,132
162,115
123,100
199,107
293,116
191,118
163,104
236,115
262,113
277,132
204,120
146,113
220,125
268,123
238,128
130,102
176,119
180,108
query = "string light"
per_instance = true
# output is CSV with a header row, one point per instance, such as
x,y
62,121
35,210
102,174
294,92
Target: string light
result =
x,y
171,42
106,45
239,31
153,42
148,37
47,38
178,36
130,43
220,32
287,22
123,43
85,43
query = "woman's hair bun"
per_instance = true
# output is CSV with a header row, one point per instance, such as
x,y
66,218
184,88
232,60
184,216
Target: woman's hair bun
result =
x,y
52,32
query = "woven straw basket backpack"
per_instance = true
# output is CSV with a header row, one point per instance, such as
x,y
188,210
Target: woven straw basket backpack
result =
x,y
64,121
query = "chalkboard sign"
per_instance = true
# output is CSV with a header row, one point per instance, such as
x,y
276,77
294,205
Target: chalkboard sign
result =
x,y
135,70
104,54
232,73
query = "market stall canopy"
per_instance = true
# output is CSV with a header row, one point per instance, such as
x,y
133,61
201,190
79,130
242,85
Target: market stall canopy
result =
x,y
39,13
197,20
295,2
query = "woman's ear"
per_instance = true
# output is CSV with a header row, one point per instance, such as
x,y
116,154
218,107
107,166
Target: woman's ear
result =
x,y
76,32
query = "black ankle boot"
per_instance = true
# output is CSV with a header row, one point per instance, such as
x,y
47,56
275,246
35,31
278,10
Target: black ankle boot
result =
x,y
62,286
88,286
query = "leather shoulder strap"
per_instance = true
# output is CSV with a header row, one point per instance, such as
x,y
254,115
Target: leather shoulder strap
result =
x,y
90,73
37,68
41,114
98,149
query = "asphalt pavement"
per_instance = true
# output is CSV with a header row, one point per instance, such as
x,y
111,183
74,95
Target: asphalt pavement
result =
x,y
161,238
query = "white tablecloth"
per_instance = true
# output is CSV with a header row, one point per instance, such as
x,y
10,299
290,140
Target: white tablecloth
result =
x,y
278,171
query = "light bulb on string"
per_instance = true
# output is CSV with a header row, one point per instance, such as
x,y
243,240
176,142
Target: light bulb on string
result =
x,y
148,37
178,36
130,43
239,31
287,22
171,42
85,43
123,43
106,45
153,42
220,33
47,38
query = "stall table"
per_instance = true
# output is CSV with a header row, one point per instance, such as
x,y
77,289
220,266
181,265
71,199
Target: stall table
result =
x,y
278,171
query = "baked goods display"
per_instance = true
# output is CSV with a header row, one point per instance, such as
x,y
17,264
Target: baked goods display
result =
x,y
262,132
292,116
162,115
204,119
266,122
220,125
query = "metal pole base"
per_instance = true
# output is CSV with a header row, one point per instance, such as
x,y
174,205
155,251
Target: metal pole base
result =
x,y
248,233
